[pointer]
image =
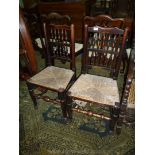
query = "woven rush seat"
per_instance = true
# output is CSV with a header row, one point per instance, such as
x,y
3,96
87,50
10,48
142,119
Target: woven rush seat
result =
x,y
53,78
96,89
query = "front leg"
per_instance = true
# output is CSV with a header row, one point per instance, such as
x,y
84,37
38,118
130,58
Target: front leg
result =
x,y
114,112
69,106
62,98
31,88
121,118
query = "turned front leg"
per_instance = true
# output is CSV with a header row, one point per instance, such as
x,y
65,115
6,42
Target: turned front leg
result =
x,y
114,112
31,88
62,98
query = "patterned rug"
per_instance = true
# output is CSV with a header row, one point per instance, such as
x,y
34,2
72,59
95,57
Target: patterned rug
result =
x,y
43,132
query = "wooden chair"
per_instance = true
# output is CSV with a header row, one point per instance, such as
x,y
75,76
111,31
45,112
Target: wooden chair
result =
x,y
60,44
103,48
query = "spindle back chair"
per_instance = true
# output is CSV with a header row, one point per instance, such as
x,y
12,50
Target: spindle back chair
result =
x,y
60,44
103,47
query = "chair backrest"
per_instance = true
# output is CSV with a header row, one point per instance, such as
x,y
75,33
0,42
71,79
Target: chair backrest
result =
x,y
103,47
104,21
60,43
56,18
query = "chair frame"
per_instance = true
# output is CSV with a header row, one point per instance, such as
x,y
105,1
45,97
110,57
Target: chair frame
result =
x,y
114,110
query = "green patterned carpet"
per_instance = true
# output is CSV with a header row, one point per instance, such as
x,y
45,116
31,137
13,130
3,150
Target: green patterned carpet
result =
x,y
43,132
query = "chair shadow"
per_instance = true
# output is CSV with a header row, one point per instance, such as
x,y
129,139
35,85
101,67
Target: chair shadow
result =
x,y
90,127
53,114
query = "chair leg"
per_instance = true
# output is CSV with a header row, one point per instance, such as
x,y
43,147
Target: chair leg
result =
x,y
114,111
62,97
69,107
31,88
120,122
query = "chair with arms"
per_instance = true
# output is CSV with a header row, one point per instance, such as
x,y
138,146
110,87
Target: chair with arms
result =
x,y
60,44
103,47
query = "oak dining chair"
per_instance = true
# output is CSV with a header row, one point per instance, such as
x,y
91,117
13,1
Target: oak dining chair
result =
x,y
60,44
103,48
